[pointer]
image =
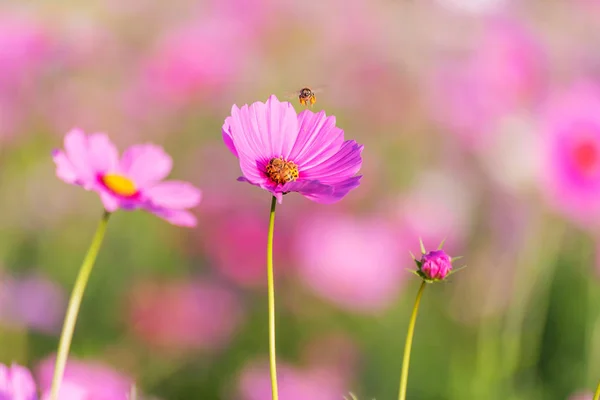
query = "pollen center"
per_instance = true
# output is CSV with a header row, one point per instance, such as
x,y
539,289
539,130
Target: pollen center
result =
x,y
119,184
280,171
587,156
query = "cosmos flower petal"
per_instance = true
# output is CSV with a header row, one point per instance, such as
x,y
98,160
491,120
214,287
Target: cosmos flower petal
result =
x,y
174,194
64,168
110,202
318,138
226,132
76,149
345,163
16,383
335,193
102,153
176,217
262,130
145,164
308,187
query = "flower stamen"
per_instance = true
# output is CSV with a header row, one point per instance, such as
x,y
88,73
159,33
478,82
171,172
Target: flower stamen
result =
x,y
119,185
280,171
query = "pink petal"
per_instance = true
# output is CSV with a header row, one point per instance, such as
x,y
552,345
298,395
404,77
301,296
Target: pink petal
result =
x,y
225,131
110,202
145,164
76,148
176,217
318,138
343,164
262,131
102,153
16,383
174,195
335,193
64,168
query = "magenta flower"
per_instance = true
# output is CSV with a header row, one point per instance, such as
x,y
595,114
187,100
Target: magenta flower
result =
x,y
16,383
436,265
571,152
281,151
132,182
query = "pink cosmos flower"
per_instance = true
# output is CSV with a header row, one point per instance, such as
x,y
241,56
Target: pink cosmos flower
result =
x,y
16,383
354,263
571,152
130,183
85,380
184,316
281,151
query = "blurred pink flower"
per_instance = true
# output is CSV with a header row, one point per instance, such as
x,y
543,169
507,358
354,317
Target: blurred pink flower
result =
x,y
16,383
89,380
196,61
180,316
354,263
248,230
281,151
31,301
312,383
26,51
130,183
506,72
571,152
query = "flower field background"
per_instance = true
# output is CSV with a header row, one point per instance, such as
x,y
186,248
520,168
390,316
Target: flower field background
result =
x,y
480,122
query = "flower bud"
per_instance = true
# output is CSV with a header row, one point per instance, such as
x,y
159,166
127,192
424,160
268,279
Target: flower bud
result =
x,y
435,265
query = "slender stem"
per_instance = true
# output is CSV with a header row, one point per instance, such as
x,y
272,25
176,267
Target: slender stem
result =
x,y
597,394
73,308
408,344
271,290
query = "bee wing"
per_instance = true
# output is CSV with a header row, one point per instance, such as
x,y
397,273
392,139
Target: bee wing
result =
x,y
292,95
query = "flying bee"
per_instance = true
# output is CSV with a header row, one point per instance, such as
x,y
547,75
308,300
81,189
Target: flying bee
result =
x,y
306,96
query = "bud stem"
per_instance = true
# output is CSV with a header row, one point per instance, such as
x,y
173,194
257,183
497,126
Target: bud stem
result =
x,y
597,394
408,343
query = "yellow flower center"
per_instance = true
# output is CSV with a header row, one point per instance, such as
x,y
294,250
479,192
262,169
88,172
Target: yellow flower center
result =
x,y
119,184
280,171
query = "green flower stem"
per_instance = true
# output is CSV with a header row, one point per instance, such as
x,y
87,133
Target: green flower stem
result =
x,y
408,343
271,290
597,394
73,308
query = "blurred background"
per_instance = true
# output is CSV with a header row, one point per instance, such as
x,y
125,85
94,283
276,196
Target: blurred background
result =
x,y
481,125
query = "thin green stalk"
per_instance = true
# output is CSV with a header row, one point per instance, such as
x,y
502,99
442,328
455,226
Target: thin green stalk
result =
x,y
597,394
271,290
408,343
73,308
